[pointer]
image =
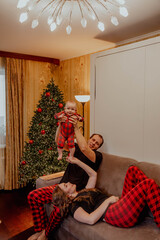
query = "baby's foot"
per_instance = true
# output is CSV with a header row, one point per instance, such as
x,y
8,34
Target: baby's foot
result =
x,y
60,157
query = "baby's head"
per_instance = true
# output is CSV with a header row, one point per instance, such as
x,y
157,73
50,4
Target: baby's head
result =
x,y
70,108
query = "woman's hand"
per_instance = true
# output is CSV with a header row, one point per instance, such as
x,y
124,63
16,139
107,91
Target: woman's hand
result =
x,y
72,160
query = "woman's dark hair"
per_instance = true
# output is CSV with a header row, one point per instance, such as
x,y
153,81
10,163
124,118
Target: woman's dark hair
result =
x,y
99,136
63,201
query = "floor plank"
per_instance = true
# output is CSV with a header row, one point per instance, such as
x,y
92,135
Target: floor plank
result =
x,y
15,214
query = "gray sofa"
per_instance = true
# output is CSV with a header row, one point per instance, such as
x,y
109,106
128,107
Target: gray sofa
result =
x,y
110,178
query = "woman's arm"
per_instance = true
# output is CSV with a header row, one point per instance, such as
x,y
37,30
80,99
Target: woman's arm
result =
x,y
84,217
89,153
91,173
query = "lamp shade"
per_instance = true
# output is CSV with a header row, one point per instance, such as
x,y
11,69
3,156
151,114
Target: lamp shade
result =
x,y
82,98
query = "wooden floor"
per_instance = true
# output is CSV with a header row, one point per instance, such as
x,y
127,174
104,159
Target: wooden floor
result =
x,y
15,214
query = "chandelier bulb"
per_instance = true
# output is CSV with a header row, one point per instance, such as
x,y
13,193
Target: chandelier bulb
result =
x,y
123,11
23,17
68,29
22,3
34,23
58,20
101,26
50,20
114,21
53,26
84,22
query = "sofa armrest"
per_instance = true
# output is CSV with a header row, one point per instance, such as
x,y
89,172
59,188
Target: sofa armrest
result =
x,y
49,180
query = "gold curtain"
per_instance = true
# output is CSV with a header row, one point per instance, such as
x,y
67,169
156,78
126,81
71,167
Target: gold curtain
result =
x,y
2,122
14,120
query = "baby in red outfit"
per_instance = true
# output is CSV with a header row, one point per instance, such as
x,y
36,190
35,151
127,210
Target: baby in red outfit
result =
x,y
67,128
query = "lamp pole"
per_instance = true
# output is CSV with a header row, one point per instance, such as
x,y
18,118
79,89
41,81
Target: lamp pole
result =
x,y
83,115
82,99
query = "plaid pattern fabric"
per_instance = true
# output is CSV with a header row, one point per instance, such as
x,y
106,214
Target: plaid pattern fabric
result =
x,y
36,199
67,131
62,139
55,220
138,190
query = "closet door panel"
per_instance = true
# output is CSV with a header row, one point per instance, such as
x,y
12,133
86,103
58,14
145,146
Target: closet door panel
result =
x,y
152,105
119,102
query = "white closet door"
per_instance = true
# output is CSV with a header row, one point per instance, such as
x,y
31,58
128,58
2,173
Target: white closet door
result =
x,y
119,103
152,105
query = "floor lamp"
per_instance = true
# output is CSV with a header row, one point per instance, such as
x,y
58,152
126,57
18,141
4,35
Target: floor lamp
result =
x,y
82,99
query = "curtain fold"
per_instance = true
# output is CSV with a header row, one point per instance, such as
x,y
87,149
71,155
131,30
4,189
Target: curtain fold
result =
x,y
2,122
14,120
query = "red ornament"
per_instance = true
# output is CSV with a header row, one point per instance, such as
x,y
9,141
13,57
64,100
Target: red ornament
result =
x,y
60,105
40,151
53,100
57,123
23,162
31,141
43,132
50,148
48,94
39,110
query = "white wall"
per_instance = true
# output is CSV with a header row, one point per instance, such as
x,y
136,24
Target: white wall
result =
x,y
125,99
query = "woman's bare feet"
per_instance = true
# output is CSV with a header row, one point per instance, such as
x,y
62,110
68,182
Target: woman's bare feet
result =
x,y
42,236
35,236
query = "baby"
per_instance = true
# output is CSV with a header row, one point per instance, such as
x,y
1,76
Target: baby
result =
x,y
67,128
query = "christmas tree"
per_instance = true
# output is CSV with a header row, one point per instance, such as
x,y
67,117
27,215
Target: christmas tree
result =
x,y
40,152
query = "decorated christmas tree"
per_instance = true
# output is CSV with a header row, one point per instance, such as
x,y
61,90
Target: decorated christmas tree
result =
x,y
40,152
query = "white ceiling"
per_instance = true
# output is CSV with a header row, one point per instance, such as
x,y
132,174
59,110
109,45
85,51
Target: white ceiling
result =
x,y
144,18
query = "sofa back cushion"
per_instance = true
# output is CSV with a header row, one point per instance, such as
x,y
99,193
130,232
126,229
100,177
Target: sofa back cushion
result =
x,y
112,172
151,170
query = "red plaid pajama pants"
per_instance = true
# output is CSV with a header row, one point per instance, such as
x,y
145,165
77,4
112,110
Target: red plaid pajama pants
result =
x,y
37,198
138,190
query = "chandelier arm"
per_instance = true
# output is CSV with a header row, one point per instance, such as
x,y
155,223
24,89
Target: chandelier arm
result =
x,y
86,2
80,8
62,7
113,3
55,7
99,2
59,10
52,1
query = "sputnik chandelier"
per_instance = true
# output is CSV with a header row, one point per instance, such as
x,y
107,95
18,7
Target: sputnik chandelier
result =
x,y
59,11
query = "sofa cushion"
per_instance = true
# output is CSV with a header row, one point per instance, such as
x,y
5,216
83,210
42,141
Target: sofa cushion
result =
x,y
103,231
112,172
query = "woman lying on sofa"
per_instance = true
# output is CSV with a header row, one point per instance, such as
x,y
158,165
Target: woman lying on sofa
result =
x,y
91,205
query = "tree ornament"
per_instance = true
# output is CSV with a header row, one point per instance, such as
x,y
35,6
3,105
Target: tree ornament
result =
x,y
48,94
39,110
60,105
31,141
53,100
23,162
57,123
43,132
40,151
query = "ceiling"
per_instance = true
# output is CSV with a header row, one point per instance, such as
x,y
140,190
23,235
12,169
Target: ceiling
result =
x,y
144,18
